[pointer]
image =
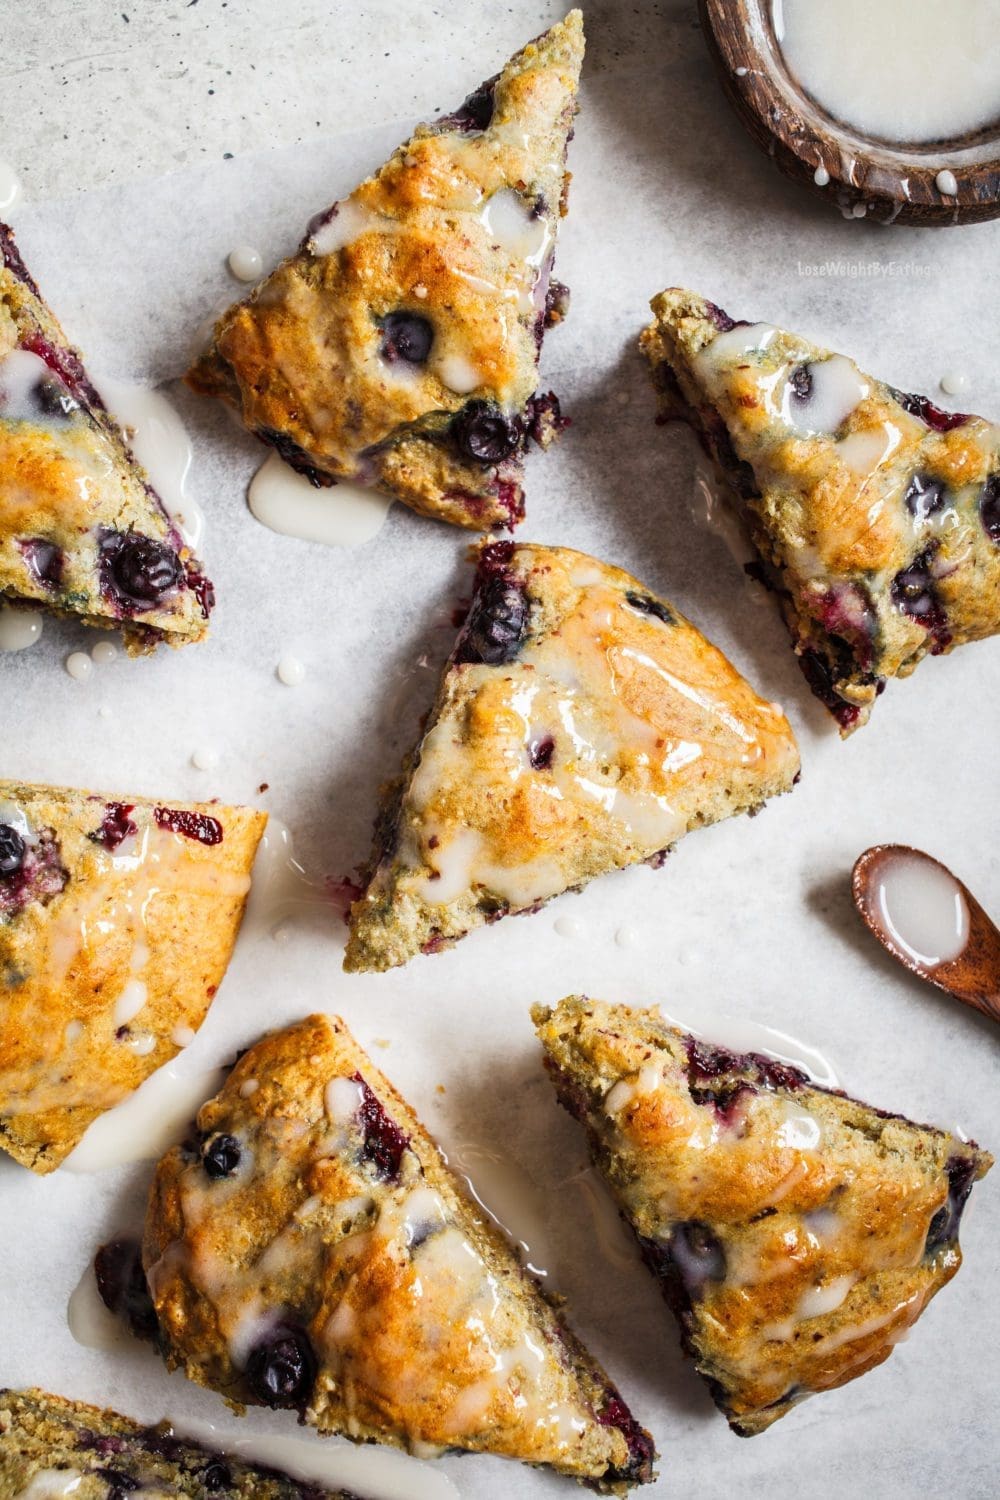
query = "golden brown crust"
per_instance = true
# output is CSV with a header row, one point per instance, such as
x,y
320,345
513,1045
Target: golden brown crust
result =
x,y
611,728
880,527
67,481
109,956
792,1227
456,229
340,1222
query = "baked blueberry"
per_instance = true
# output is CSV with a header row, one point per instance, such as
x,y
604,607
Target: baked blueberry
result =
x,y
281,1370
384,1142
201,827
989,508
496,622
44,559
406,336
697,1255
122,1285
12,850
646,604
116,825
800,383
485,434
138,569
924,496
220,1155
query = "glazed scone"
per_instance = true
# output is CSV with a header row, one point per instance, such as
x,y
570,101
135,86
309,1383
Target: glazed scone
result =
x,y
875,515
399,346
582,725
82,531
47,1442
796,1233
117,920
310,1249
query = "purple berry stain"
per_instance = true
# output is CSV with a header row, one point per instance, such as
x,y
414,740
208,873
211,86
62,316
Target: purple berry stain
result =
x,y
384,1142
193,825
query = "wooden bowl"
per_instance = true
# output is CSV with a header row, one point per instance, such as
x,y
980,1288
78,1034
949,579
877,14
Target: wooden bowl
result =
x,y
864,178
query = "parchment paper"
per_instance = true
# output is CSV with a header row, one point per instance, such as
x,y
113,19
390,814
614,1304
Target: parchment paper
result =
x,y
751,918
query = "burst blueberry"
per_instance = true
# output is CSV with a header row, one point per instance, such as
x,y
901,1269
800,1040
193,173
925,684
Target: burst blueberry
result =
x,y
485,434
496,622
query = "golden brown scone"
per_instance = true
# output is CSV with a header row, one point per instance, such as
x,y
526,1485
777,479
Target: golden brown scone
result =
x,y
875,515
399,347
117,920
796,1233
582,725
47,1441
82,531
311,1250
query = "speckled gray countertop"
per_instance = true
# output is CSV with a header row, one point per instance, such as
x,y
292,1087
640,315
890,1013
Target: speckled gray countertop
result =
x,y
94,92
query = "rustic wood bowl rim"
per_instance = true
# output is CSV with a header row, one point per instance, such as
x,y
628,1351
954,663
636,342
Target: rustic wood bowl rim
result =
x,y
891,181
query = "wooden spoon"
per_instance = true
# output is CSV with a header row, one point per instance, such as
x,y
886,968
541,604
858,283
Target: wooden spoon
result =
x,y
863,177
971,974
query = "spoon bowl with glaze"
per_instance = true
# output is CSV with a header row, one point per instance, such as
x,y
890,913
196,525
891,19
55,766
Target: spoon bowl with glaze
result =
x,y
930,922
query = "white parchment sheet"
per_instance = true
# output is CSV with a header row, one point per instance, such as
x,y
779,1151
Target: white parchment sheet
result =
x,y
751,918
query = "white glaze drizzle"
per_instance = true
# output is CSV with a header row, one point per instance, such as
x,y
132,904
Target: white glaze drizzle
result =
x,y
143,1126
346,515
160,441
10,187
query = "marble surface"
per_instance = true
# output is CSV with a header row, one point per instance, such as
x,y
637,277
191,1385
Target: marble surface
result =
x,y
751,918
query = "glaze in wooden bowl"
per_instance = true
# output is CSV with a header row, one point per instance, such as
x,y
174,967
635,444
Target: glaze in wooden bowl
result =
x,y
890,183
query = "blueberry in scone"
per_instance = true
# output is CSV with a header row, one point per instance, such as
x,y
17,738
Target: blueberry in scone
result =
x,y
82,531
47,1441
581,725
797,1234
117,920
875,514
399,347
309,1249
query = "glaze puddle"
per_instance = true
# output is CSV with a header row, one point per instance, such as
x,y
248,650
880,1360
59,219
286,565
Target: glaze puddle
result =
x,y
378,1473
922,908
510,1198
346,515
159,440
901,70
145,1124
281,891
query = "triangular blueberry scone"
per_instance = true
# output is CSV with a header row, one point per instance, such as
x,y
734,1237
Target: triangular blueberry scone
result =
x,y
47,1442
117,920
875,515
797,1234
582,725
399,347
310,1249
82,531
